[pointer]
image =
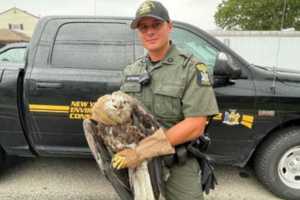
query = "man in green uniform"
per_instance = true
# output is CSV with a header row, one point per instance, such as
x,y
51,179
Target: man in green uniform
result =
x,y
176,89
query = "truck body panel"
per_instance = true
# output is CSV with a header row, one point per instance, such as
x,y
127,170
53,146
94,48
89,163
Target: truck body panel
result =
x,y
12,137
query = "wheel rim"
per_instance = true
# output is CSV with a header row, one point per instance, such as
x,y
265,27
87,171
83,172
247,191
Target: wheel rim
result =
x,y
289,168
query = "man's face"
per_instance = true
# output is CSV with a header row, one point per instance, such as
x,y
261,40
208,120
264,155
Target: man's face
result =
x,y
154,33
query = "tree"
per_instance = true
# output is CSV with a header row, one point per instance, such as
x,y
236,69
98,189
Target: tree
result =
x,y
258,14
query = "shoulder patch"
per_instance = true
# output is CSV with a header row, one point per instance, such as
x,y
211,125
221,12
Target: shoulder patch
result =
x,y
201,67
202,74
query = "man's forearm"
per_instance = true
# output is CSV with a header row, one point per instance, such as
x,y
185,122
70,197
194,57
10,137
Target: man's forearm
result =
x,y
187,130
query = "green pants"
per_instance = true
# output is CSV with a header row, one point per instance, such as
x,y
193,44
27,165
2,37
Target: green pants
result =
x,y
184,182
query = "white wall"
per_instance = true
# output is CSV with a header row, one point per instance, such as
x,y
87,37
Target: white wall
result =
x,y
261,48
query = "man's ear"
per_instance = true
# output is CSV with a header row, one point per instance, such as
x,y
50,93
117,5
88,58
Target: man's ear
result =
x,y
170,25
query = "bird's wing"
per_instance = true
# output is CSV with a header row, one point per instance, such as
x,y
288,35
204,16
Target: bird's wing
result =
x,y
144,120
117,178
97,147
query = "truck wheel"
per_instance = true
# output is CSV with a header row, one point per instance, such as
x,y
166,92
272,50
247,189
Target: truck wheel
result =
x,y
277,163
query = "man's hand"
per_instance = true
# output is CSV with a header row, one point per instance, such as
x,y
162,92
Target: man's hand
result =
x,y
152,146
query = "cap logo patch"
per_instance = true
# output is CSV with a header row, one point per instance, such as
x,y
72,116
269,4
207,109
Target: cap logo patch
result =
x,y
146,8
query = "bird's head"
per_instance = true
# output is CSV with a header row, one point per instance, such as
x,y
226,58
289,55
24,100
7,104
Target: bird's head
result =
x,y
114,109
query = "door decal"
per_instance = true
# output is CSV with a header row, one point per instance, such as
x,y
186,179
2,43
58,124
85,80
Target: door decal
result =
x,y
77,110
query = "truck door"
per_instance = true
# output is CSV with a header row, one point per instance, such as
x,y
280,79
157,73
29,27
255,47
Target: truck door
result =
x,y
82,62
231,130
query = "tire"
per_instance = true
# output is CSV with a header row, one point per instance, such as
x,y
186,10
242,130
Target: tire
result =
x,y
277,163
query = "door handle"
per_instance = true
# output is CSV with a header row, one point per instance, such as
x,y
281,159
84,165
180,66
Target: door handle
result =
x,y
42,85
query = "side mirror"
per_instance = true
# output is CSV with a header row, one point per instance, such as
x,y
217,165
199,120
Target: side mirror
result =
x,y
225,68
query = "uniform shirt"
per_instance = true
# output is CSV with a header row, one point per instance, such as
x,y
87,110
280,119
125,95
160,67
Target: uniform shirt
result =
x,y
179,87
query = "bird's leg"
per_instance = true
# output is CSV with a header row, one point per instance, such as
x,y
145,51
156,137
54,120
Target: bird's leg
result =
x,y
141,183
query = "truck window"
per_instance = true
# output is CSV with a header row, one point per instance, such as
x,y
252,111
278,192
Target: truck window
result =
x,y
93,45
13,55
191,43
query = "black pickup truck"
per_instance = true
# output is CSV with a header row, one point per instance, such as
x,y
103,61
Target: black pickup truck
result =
x,y
71,61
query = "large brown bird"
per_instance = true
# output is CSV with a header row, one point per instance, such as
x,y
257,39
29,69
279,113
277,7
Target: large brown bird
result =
x,y
121,123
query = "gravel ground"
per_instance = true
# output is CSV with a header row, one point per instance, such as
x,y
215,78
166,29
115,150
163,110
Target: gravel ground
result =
x,y
80,179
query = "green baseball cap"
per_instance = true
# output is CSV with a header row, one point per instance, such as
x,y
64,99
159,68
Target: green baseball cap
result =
x,y
150,9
